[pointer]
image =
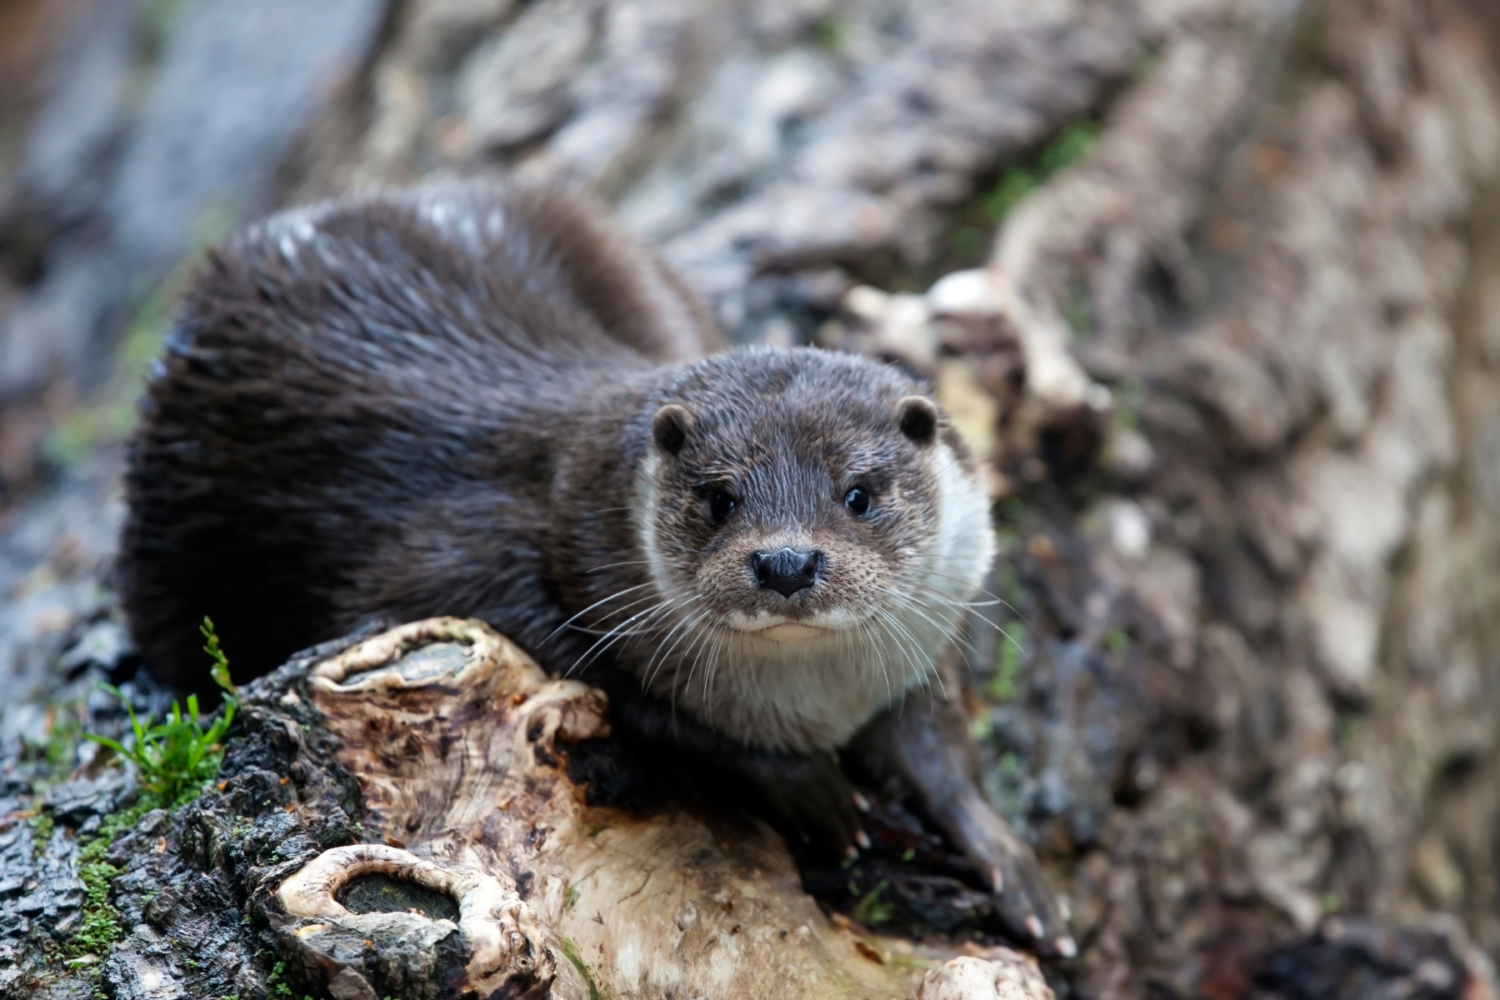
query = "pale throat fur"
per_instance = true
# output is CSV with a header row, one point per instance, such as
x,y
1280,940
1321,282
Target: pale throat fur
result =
x,y
803,683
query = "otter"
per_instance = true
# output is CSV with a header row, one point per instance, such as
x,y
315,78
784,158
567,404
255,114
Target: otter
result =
x,y
485,402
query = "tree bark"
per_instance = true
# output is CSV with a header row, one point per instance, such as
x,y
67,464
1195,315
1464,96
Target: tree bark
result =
x,y
1215,284
459,744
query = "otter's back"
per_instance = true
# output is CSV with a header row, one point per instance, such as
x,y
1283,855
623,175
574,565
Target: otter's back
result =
x,y
369,369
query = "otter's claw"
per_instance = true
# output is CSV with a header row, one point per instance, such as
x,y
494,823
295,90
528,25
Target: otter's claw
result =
x,y
1023,899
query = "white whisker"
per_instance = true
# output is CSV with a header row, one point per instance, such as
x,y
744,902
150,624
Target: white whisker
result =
x,y
609,639
616,595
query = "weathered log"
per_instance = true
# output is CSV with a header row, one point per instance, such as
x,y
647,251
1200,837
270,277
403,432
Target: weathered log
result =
x,y
459,743
411,815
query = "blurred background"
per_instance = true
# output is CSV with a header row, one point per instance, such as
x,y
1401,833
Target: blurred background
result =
x,y
1214,285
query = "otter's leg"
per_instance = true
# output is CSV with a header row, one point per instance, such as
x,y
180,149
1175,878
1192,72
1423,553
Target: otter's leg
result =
x,y
924,742
805,796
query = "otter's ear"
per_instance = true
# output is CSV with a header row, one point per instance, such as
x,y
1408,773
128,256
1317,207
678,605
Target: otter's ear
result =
x,y
670,426
917,416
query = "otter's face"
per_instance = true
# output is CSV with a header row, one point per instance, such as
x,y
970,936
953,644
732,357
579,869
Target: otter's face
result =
x,y
800,509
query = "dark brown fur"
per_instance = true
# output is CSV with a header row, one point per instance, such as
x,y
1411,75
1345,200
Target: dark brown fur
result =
x,y
326,439
442,402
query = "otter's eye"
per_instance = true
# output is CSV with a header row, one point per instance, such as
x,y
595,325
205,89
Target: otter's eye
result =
x,y
858,501
720,506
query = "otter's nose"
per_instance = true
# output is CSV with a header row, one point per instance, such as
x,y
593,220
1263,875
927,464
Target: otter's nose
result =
x,y
786,571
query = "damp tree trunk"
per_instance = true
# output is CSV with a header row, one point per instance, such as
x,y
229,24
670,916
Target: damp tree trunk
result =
x,y
485,869
1214,285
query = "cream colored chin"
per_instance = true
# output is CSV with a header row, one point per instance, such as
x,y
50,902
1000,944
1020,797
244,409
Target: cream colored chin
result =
x,y
791,632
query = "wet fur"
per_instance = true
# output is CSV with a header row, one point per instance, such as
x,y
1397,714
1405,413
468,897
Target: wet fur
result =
x,y
440,403
479,402
355,418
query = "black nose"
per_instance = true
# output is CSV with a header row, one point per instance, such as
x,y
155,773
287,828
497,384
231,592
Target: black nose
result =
x,y
786,571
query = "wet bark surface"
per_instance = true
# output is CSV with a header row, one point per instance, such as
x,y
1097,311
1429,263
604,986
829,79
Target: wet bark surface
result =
x,y
1235,359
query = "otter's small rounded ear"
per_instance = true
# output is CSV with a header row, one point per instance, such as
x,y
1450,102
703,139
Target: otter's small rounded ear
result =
x,y
670,426
917,416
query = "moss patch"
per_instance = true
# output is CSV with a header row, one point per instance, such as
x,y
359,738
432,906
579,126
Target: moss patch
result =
x,y
972,228
101,921
570,951
1066,148
42,825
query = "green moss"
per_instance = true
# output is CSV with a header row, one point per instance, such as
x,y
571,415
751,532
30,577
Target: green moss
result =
x,y
1066,148
1072,144
276,986
1117,641
570,951
101,921
1013,185
1001,688
42,825
831,33
101,925
175,759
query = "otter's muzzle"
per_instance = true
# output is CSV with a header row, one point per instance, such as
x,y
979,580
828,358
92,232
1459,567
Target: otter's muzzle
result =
x,y
787,571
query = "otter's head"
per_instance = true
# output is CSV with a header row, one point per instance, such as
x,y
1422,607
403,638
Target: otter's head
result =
x,y
813,524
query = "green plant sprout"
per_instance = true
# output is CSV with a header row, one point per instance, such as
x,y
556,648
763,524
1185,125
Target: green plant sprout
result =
x,y
177,756
871,910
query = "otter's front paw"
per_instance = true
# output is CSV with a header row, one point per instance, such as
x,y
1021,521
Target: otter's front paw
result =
x,y
809,800
1024,900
